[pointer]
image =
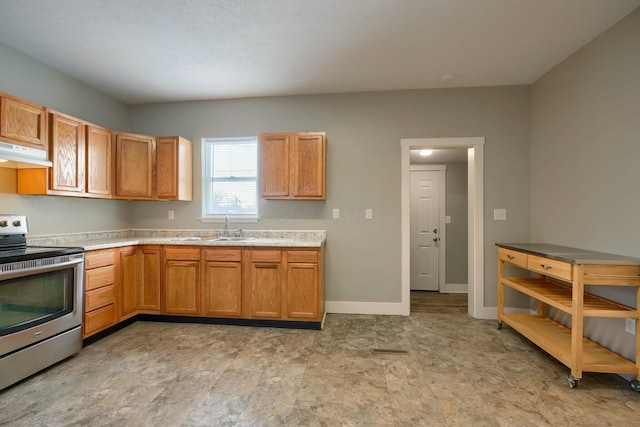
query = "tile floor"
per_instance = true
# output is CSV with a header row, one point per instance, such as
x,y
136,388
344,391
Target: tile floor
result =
x,y
458,371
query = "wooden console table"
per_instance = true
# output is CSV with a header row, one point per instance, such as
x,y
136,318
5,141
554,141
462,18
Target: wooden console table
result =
x,y
562,275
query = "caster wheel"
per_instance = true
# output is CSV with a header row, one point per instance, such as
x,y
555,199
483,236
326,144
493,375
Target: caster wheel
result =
x,y
573,381
635,385
499,325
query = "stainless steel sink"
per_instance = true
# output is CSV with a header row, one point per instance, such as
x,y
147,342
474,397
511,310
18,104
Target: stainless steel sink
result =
x,y
234,239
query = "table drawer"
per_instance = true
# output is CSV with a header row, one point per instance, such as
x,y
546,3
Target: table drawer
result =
x,y
99,298
513,257
99,277
550,267
94,259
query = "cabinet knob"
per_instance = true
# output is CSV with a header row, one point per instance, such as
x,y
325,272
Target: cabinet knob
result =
x,y
3,223
510,257
545,266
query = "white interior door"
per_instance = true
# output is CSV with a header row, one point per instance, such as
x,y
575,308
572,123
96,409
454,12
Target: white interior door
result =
x,y
425,230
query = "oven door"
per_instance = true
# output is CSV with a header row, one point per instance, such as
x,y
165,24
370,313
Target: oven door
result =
x,y
39,299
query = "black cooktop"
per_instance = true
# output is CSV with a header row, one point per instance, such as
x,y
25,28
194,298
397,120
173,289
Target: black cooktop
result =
x,y
34,252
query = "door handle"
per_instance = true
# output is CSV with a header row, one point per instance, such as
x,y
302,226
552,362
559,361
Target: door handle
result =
x,y
435,231
436,239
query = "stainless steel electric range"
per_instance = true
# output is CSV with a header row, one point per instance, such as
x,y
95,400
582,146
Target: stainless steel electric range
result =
x,y
40,302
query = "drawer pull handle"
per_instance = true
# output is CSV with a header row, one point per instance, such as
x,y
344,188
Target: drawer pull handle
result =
x,y
510,257
545,266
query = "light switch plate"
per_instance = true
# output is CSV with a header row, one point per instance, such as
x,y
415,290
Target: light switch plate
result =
x,y
499,214
447,219
336,213
368,213
172,214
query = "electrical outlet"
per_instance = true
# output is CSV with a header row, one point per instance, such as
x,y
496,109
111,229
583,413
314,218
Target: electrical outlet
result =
x,y
172,214
630,326
336,213
499,214
368,213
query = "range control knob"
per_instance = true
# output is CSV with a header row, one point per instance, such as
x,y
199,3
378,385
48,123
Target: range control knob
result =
x,y
16,223
3,223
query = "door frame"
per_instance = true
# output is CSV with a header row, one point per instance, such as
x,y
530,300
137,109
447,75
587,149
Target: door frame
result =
x,y
442,202
475,159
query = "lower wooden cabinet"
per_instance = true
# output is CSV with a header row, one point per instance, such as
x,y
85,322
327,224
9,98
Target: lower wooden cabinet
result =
x,y
261,284
128,281
99,291
182,281
222,283
303,286
266,280
150,260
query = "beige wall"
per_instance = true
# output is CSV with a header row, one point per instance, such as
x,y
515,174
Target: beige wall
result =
x,y
585,157
457,230
363,170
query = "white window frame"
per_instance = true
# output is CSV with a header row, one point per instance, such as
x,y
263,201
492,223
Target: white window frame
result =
x,y
206,178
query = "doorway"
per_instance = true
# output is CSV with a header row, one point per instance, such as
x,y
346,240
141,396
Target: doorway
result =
x,y
475,156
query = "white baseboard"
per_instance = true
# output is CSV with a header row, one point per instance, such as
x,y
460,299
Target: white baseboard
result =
x,y
455,288
355,307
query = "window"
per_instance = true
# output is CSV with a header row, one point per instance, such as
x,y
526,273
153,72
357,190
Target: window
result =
x,y
230,184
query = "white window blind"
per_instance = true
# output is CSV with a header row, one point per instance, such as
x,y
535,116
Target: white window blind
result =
x,y
230,170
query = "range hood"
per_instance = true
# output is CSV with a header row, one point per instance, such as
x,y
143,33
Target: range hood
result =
x,y
19,157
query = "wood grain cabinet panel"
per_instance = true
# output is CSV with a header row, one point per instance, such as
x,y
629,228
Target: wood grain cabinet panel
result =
x,y
182,280
302,291
266,289
134,166
128,282
98,164
292,166
173,168
150,279
67,153
22,122
222,289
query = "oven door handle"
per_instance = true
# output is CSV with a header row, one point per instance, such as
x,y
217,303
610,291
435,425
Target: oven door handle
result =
x,y
12,274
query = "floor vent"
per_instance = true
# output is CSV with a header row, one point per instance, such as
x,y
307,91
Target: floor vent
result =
x,y
389,351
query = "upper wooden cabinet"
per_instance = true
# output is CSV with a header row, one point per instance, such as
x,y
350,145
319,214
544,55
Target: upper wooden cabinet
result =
x,y
173,168
22,122
98,165
134,156
292,166
67,153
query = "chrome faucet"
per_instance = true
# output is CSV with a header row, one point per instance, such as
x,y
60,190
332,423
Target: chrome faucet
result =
x,y
226,226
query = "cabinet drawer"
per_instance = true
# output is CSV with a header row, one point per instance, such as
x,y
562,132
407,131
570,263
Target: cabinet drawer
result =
x,y
191,254
96,259
302,256
266,256
222,255
513,257
550,267
99,298
99,319
99,277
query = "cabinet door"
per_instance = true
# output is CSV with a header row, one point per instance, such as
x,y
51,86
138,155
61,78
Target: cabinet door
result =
x,y
182,287
308,166
67,153
134,166
223,289
274,165
302,291
266,290
22,122
98,169
128,283
149,283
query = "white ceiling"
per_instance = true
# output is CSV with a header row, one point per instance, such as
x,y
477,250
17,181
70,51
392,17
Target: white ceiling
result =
x,y
151,51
